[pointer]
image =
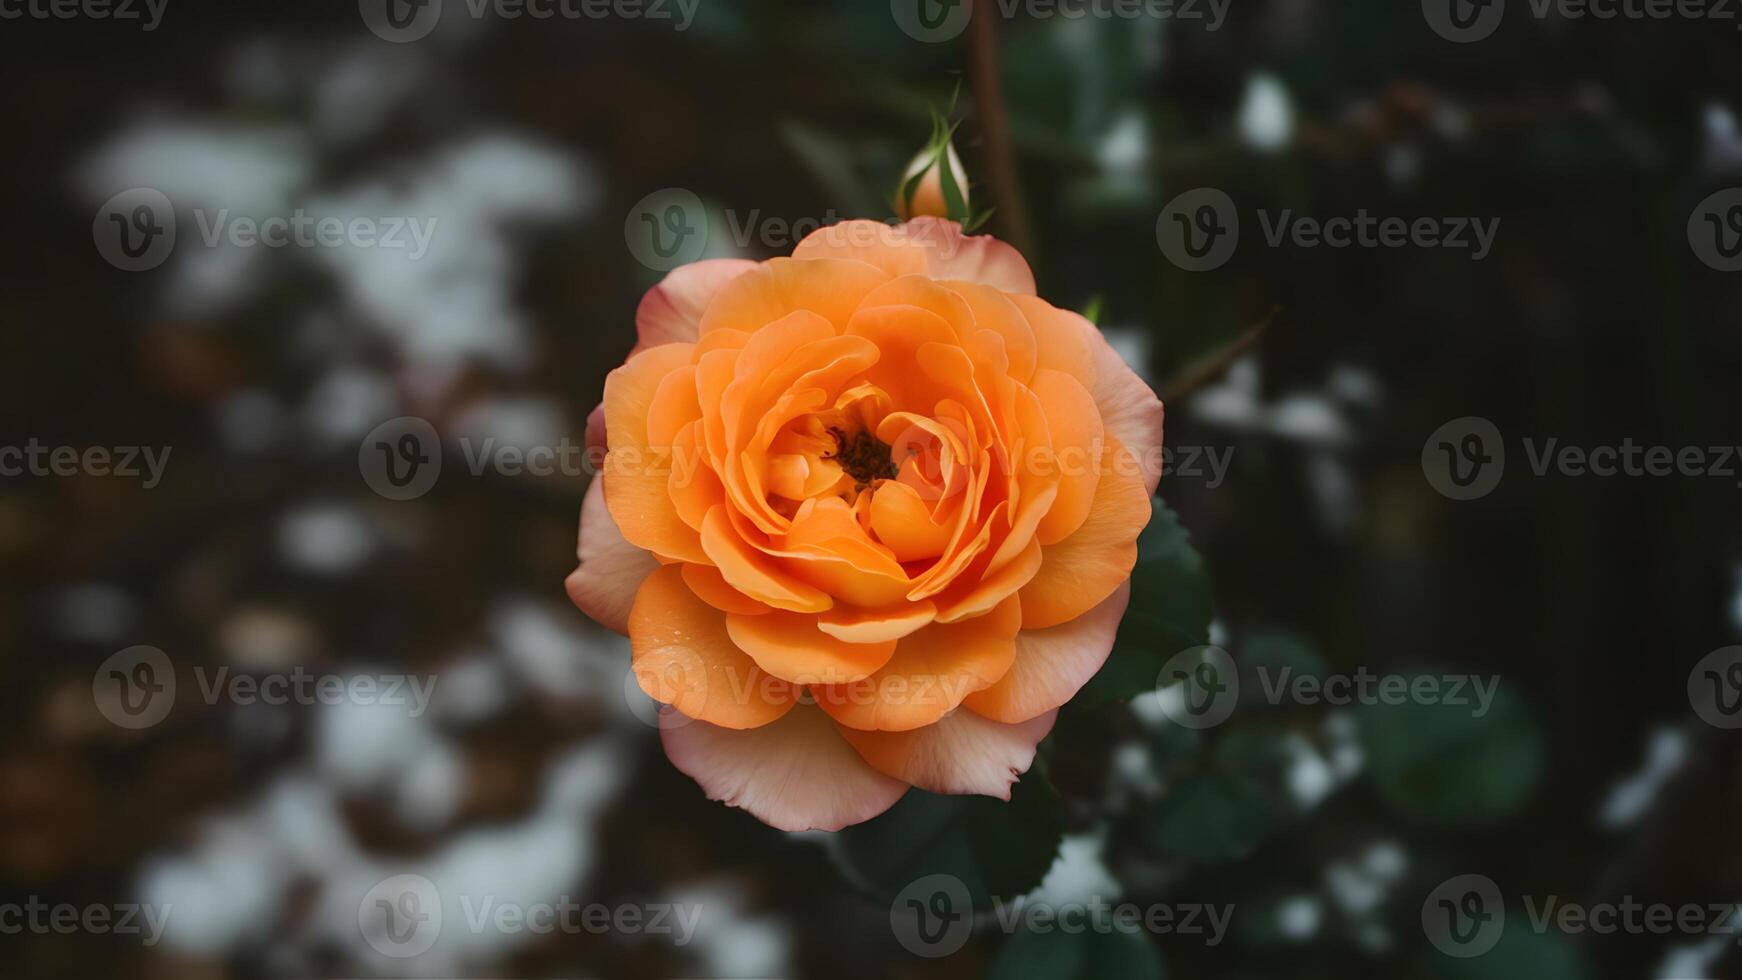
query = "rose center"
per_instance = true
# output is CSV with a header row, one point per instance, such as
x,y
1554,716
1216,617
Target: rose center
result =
x,y
864,457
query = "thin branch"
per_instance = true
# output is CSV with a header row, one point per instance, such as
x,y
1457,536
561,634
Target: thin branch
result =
x,y
1211,369
995,129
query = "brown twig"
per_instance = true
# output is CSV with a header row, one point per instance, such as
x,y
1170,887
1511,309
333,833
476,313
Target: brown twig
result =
x,y
1010,212
1208,370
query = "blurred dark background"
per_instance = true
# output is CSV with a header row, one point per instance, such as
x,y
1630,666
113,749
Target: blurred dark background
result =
x,y
533,774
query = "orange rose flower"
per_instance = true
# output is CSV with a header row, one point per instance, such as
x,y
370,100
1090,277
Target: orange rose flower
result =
x,y
867,516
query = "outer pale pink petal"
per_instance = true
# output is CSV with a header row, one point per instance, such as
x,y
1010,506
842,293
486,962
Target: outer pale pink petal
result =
x,y
971,258
1129,408
1053,664
611,568
796,773
596,441
671,312
932,246
963,753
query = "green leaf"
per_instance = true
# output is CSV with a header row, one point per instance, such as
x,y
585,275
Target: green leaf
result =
x,y
1258,755
1174,748
1087,955
995,848
1274,650
1169,612
1214,816
1440,763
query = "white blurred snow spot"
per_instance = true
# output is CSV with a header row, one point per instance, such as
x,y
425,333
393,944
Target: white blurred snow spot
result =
x,y
1266,114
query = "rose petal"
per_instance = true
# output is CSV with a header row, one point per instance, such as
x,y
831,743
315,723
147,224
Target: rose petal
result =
x,y
753,573
611,568
994,311
789,645
1130,409
933,246
795,774
1083,569
971,258
1074,421
873,625
932,670
637,476
596,442
830,288
962,753
684,657
711,587
1053,664
671,312
1059,341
